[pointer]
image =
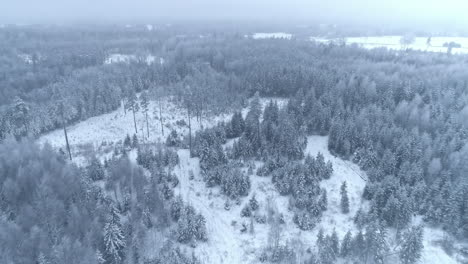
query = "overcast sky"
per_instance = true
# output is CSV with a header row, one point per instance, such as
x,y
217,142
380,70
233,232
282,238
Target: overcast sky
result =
x,y
382,11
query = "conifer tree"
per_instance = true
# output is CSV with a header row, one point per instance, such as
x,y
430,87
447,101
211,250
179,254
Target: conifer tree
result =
x,y
335,243
320,237
412,245
132,104
346,245
344,198
114,240
253,203
95,169
145,108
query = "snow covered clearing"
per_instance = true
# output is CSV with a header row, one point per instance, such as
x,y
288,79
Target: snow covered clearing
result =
x,y
111,128
393,43
100,133
127,58
224,225
226,243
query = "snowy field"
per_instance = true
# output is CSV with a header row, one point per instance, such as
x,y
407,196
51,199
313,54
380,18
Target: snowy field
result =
x,y
393,42
274,35
127,58
226,243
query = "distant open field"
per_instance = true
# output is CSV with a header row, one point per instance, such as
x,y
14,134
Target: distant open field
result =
x,y
393,42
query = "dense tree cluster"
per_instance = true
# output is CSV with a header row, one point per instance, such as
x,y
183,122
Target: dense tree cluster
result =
x,y
149,157
233,181
55,213
269,134
368,246
301,181
190,225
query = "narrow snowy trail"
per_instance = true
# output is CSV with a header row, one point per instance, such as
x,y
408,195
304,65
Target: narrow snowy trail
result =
x,y
222,245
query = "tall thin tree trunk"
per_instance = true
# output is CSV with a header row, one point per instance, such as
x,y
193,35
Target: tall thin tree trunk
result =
x,y
190,130
66,139
26,127
132,218
160,117
147,125
134,119
201,116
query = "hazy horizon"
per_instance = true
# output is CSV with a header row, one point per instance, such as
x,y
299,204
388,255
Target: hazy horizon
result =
x,y
449,13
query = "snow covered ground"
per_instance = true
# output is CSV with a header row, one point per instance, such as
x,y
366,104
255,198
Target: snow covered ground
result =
x,y
101,132
110,128
393,42
226,243
127,58
279,35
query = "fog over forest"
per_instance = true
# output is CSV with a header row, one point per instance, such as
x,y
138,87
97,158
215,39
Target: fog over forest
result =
x,y
449,13
233,132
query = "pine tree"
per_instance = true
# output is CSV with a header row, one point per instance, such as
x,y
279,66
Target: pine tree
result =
x,y
114,240
346,245
183,227
20,117
357,245
412,246
236,126
323,201
200,228
246,211
327,252
41,259
95,170
145,108
132,104
375,246
99,257
135,141
253,203
335,243
344,198
127,142
320,238
176,208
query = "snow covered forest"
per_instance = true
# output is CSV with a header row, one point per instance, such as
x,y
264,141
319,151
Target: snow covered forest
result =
x,y
186,144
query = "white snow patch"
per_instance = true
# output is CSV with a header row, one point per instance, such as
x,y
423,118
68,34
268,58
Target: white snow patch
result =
x,y
26,58
128,58
393,43
114,126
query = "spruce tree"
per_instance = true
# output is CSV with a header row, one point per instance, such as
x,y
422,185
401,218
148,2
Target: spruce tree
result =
x,y
346,245
114,240
95,170
320,237
132,104
344,198
323,201
412,245
145,108
253,203
335,243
